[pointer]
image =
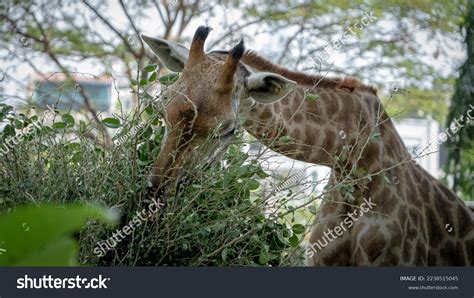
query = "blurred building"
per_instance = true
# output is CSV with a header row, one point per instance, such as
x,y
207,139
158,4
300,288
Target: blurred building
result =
x,y
55,89
416,134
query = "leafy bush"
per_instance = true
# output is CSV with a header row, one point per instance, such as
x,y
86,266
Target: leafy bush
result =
x,y
214,221
219,218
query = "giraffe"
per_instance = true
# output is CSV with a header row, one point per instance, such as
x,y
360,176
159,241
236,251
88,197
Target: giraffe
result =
x,y
416,220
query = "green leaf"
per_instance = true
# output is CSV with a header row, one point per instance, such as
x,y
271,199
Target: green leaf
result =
x,y
153,77
151,67
34,236
245,171
262,174
281,238
59,125
252,184
169,79
111,122
134,82
76,157
311,97
143,82
263,258
294,241
60,253
68,119
18,124
9,130
224,254
298,229
6,109
82,127
150,109
312,209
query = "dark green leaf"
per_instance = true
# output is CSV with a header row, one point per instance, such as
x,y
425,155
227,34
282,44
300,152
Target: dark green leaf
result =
x,y
150,68
82,127
264,258
294,241
9,130
153,77
298,229
68,119
253,184
111,122
59,125
150,109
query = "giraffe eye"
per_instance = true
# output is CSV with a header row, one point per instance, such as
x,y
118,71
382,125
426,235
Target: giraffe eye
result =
x,y
228,134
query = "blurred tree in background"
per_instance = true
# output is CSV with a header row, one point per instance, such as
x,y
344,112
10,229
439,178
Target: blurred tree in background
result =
x,y
396,43
461,146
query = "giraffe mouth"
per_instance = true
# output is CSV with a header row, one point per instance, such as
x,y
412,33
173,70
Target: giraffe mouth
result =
x,y
187,175
174,183
171,188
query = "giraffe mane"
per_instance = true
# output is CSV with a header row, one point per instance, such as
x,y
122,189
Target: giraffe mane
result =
x,y
260,63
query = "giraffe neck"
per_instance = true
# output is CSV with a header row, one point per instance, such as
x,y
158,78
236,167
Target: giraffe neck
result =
x,y
339,129
416,220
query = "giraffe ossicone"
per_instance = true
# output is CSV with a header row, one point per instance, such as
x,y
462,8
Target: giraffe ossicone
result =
x,y
215,89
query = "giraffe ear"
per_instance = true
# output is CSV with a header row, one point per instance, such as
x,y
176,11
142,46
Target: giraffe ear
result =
x,y
266,87
173,55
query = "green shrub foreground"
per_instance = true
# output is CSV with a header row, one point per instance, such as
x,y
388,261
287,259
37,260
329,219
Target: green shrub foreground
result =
x,y
220,218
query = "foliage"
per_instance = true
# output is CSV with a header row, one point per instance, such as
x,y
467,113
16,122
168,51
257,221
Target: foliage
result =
x,y
217,219
86,31
461,146
40,236
413,102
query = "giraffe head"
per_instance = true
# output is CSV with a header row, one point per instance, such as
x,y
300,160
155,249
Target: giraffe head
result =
x,y
202,106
